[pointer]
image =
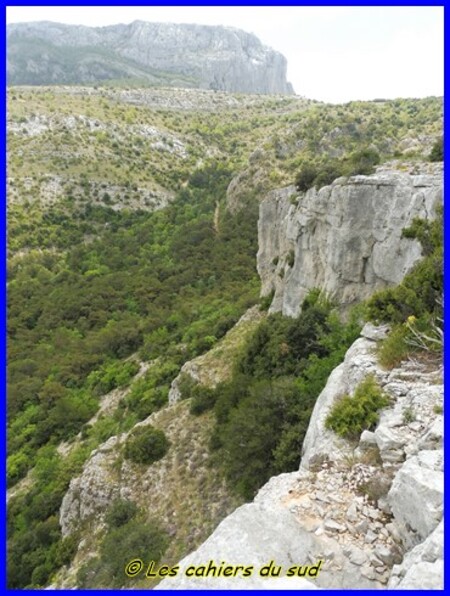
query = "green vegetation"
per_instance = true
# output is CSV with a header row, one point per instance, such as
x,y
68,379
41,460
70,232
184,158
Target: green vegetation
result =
x,y
350,415
128,537
322,173
110,376
437,151
120,513
202,399
262,414
414,307
163,282
101,284
35,548
146,445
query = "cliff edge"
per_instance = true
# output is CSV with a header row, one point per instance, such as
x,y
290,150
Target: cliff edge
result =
x,y
346,238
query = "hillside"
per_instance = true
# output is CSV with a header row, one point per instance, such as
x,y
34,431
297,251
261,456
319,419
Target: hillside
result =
x,y
152,54
132,245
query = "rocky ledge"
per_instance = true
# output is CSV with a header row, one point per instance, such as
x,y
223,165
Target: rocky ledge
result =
x,y
370,511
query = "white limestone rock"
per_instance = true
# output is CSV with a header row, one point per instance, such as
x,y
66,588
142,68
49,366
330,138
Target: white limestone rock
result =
x,y
320,443
416,495
434,437
387,439
423,566
165,54
345,239
252,535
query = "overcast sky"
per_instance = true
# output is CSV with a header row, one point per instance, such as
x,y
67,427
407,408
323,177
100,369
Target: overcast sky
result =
x,y
334,53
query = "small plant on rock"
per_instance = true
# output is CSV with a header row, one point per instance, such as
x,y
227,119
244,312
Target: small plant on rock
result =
x,y
352,414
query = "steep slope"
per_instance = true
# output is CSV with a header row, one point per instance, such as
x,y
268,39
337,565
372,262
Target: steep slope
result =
x,y
219,58
186,493
370,511
345,239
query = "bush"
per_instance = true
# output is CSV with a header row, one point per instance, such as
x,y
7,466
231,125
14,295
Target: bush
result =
x,y
392,305
146,445
362,162
120,513
290,259
351,415
394,348
305,177
203,399
110,376
266,301
437,152
133,540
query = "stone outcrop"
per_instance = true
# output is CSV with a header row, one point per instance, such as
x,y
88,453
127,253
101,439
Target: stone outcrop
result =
x,y
181,490
346,238
164,54
216,366
416,496
423,566
371,511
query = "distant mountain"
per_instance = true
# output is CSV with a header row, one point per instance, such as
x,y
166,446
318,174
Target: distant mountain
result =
x,y
155,54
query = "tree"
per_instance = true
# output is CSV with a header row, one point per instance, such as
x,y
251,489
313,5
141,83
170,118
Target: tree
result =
x,y
437,152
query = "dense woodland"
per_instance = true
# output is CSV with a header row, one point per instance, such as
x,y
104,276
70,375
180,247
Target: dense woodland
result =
x,y
93,289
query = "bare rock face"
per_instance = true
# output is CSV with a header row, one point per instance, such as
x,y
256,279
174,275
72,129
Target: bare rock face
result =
x,y
423,566
417,494
252,536
346,238
164,54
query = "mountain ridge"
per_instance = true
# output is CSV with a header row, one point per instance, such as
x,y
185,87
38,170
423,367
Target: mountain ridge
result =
x,y
204,56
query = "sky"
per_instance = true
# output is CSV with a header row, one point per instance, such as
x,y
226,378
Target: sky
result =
x,y
335,54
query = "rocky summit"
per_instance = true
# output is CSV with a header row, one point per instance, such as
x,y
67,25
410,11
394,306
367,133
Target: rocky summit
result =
x,y
206,57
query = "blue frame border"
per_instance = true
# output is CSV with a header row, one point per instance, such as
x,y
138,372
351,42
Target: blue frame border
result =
x,y
3,240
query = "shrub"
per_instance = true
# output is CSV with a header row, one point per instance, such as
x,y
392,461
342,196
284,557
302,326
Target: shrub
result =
x,y
437,152
203,399
266,301
112,375
394,348
146,445
133,540
351,415
120,513
362,162
305,177
392,305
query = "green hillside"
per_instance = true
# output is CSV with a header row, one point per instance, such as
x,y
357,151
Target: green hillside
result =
x,y
122,249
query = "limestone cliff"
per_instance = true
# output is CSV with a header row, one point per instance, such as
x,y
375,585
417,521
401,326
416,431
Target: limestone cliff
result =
x,y
164,54
372,512
346,238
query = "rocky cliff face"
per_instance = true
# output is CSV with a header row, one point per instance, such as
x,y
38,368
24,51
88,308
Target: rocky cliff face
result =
x,y
345,239
371,512
219,58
